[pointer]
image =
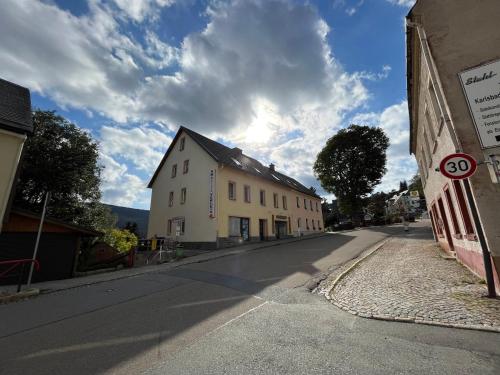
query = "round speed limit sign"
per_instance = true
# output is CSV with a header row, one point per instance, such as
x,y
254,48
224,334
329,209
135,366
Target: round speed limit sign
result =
x,y
458,166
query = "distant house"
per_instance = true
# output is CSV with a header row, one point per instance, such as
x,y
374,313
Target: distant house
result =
x,y
58,249
209,196
15,125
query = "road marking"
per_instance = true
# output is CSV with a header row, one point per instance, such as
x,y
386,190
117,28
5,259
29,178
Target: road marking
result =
x,y
215,300
238,317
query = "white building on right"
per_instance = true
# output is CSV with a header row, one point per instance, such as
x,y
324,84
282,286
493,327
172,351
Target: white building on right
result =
x,y
453,77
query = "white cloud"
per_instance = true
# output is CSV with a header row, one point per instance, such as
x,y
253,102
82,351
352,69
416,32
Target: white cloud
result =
x,y
138,10
395,122
403,3
142,146
121,187
84,62
261,74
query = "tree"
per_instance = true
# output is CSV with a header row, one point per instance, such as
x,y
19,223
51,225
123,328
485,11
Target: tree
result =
x,y
403,185
120,239
131,226
61,158
416,184
313,189
376,204
351,164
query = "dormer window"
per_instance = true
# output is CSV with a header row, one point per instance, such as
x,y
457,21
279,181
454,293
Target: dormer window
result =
x,y
182,144
236,162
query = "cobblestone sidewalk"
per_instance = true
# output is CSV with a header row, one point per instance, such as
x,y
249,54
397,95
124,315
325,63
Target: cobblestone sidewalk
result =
x,y
409,279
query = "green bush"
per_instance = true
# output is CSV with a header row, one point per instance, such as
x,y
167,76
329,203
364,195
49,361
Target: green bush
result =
x,y
121,239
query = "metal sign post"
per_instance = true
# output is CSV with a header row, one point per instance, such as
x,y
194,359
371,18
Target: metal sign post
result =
x,y
461,166
35,251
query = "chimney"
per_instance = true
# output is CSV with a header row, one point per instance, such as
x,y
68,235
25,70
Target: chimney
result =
x,y
237,150
271,167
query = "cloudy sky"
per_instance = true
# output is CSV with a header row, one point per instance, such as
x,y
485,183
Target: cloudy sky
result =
x,y
277,78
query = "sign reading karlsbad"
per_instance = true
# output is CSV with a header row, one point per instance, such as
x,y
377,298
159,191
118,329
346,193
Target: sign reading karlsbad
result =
x,y
481,86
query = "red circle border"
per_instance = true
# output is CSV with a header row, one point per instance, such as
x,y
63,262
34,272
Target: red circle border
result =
x,y
471,160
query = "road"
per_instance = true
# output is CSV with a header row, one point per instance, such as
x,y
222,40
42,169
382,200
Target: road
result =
x,y
242,314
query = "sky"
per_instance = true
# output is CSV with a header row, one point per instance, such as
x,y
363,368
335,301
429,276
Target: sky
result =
x,y
276,78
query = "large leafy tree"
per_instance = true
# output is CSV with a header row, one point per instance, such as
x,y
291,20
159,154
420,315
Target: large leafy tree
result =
x,y
351,164
62,159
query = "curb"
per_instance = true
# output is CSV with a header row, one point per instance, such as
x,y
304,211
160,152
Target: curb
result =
x,y
388,318
19,296
167,266
371,250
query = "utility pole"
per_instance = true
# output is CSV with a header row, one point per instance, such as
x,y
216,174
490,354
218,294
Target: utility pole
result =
x,y
35,251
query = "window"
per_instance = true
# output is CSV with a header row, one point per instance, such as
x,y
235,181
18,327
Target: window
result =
x,y
319,226
285,207
180,226
435,106
311,204
182,144
317,207
469,229
232,190
298,202
234,226
263,197
275,200
239,227
451,207
174,170
437,220
427,147
171,199
314,225
430,124
169,227
185,167
298,223
246,191
305,203
183,195
307,224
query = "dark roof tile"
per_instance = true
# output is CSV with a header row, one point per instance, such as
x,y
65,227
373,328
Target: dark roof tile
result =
x,y
15,107
233,157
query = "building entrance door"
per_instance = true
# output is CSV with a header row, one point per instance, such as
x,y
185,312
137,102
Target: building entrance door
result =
x,y
262,229
245,228
280,227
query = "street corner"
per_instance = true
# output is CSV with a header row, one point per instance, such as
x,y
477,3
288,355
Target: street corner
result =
x,y
408,280
7,296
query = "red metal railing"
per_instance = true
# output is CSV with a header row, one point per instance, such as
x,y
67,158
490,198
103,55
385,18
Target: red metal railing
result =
x,y
13,265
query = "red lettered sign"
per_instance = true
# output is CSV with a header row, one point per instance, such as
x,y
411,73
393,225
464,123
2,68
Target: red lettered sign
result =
x,y
458,166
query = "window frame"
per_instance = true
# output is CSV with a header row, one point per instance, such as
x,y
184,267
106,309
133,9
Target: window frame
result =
x,y
262,197
275,200
173,174
182,144
183,195
285,203
464,211
185,166
229,184
298,202
247,199
171,199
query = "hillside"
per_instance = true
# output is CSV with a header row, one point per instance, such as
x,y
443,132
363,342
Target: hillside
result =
x,y
126,214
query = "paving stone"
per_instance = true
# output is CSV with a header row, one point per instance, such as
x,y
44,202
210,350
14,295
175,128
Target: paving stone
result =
x,y
408,279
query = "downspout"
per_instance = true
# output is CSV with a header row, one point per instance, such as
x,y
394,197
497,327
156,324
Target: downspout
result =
x,y
443,108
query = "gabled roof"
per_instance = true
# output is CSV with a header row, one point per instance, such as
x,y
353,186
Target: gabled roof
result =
x,y
15,108
234,158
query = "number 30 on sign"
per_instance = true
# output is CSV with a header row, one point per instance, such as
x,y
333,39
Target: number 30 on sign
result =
x,y
458,166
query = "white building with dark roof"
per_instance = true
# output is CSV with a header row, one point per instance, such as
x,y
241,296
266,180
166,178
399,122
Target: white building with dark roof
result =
x,y
207,195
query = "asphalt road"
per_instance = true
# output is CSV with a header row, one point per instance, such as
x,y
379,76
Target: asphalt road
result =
x,y
241,314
